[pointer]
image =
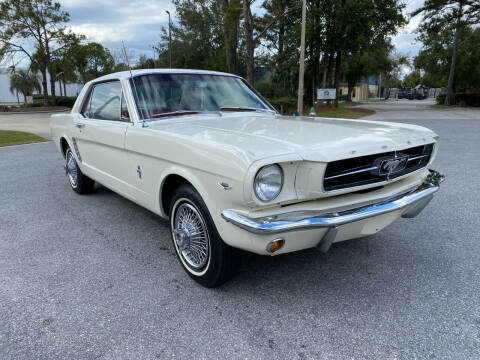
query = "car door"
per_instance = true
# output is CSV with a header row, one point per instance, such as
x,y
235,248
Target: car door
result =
x,y
100,135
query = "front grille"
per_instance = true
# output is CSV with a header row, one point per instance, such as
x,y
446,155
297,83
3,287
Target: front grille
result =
x,y
364,170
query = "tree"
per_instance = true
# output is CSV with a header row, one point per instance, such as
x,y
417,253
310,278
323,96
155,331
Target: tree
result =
x,y
25,82
373,21
336,30
39,20
145,63
457,15
435,56
413,79
392,75
205,36
91,60
197,36
281,36
372,60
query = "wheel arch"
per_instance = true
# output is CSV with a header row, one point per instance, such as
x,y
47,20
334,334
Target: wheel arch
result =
x,y
169,184
64,145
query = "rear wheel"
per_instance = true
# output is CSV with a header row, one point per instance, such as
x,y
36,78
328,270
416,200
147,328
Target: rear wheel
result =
x,y
79,182
200,249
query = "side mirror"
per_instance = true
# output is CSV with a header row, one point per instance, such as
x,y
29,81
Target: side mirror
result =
x,y
125,116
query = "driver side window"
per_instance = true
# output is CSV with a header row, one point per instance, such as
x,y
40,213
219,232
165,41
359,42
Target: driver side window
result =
x,y
104,103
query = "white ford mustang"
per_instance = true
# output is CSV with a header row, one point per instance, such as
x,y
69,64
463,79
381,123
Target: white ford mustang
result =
x,y
206,151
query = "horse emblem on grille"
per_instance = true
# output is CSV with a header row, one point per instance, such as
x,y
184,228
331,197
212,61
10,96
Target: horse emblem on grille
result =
x,y
390,165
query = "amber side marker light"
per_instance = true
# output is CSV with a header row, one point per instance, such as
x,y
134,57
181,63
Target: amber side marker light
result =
x,y
275,245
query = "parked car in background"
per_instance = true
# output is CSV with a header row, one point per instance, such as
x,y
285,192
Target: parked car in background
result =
x,y
402,93
206,151
419,92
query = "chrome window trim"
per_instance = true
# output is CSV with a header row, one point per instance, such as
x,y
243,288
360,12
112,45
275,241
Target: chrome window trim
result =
x,y
91,90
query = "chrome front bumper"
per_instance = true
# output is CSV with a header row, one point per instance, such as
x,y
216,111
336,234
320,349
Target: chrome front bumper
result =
x,y
412,202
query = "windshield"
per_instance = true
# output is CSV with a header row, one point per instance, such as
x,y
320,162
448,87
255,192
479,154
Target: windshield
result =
x,y
160,95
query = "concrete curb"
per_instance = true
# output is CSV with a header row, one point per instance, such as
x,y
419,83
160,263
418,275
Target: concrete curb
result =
x,y
31,112
27,144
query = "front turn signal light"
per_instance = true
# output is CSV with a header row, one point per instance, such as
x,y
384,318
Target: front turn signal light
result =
x,y
275,245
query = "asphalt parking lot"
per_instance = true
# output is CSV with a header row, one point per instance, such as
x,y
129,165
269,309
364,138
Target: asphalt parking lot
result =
x,y
96,277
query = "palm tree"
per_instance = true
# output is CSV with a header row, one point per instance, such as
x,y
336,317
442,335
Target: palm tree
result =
x,y
24,82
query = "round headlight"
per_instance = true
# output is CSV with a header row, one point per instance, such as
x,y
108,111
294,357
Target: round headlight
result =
x,y
268,182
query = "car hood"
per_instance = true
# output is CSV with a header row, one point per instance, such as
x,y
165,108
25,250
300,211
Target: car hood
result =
x,y
313,139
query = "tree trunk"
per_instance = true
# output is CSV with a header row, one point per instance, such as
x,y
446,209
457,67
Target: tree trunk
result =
x,y
450,96
248,27
350,91
338,63
281,35
49,65
388,78
60,87
326,59
52,84
44,86
64,88
230,22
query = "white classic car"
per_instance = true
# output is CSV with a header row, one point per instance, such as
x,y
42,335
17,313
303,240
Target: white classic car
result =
x,y
205,150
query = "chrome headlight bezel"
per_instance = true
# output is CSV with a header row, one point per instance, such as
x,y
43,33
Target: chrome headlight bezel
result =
x,y
260,182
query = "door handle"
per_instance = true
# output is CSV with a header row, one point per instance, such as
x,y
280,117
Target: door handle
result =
x,y
80,125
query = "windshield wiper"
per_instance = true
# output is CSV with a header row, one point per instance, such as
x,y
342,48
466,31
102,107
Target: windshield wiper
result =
x,y
175,113
241,108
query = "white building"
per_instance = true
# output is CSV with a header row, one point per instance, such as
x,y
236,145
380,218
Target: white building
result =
x,y
7,97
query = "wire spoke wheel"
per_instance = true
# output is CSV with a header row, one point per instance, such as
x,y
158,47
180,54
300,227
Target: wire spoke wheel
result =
x,y
191,236
71,169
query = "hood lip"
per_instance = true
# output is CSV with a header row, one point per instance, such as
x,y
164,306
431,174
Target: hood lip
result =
x,y
287,147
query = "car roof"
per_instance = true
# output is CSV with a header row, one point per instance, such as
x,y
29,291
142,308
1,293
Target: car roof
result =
x,y
126,74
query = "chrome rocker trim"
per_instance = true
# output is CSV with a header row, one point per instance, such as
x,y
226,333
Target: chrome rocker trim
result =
x,y
413,202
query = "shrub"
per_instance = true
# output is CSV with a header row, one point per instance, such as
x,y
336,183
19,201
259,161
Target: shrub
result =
x,y
265,88
468,99
31,105
441,99
284,104
271,90
38,100
462,99
66,101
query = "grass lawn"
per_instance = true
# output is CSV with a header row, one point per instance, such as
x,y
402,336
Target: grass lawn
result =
x,y
8,137
453,107
344,110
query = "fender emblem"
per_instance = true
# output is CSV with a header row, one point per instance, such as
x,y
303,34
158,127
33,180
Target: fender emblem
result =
x,y
224,186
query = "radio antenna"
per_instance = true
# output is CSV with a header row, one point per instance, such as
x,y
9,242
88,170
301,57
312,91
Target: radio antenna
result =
x,y
133,81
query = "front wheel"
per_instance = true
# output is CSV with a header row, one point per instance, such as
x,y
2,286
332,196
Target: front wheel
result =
x,y
79,182
200,249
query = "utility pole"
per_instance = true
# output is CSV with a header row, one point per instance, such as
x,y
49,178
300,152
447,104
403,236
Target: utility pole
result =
x,y
169,37
302,59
